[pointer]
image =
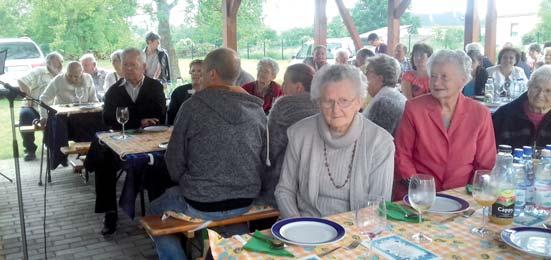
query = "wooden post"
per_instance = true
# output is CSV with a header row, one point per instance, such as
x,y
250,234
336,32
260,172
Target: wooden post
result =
x,y
229,30
347,19
491,26
320,23
393,26
472,23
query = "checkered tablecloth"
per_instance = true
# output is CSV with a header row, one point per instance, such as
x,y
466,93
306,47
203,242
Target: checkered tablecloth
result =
x,y
451,240
72,109
137,142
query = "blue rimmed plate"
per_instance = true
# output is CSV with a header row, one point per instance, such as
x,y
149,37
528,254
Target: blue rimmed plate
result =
x,y
445,204
308,231
532,240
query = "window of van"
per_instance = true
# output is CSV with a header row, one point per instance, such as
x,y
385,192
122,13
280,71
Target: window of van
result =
x,y
20,50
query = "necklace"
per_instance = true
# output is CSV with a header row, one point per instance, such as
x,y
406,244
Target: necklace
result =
x,y
349,166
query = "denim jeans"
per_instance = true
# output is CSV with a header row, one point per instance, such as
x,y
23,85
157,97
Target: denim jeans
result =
x,y
26,117
169,247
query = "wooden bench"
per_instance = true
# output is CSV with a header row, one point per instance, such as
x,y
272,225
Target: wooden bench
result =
x,y
29,128
81,150
157,227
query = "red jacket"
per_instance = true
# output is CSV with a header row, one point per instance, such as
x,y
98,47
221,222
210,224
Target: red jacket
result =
x,y
424,145
273,93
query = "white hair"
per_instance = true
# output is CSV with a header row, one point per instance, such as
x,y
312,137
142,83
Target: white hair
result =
x,y
88,56
336,73
539,76
474,46
53,55
270,62
134,50
385,66
116,55
343,51
458,58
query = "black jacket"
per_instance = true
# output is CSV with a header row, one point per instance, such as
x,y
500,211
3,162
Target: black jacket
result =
x,y
178,96
512,126
149,104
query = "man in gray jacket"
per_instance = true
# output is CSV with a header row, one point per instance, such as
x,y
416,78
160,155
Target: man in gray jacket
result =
x,y
216,152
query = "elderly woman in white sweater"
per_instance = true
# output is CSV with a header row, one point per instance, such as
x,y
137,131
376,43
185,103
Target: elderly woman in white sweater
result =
x,y
335,158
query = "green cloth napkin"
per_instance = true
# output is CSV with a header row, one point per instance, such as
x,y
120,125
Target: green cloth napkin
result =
x,y
395,211
257,245
469,189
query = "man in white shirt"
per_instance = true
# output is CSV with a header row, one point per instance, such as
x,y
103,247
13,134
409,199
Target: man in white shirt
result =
x,y
33,84
61,89
88,62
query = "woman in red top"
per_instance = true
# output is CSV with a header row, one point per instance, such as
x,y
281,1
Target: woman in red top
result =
x,y
444,134
265,87
416,82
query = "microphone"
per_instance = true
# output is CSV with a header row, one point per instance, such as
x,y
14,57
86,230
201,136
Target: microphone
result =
x,y
11,90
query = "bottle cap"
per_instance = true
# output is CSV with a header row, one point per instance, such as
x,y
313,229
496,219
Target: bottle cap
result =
x,y
505,148
548,147
518,152
527,150
546,153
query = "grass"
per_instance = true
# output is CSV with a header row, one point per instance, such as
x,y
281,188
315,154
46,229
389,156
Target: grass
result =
x,y
5,123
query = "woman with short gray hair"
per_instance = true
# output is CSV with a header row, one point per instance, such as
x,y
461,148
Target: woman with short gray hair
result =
x,y
525,121
265,87
113,77
337,157
387,106
443,125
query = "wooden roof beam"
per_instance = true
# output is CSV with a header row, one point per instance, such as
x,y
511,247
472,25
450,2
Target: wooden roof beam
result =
x,y
401,9
472,23
349,23
320,23
491,27
229,29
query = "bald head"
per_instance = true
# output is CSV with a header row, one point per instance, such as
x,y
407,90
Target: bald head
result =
x,y
225,63
74,73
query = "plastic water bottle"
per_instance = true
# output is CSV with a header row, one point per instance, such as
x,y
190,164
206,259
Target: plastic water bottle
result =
x,y
517,155
504,208
489,90
542,197
519,88
528,153
520,188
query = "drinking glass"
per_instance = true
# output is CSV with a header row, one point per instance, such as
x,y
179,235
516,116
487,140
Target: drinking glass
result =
x,y
485,194
79,93
370,216
421,194
122,118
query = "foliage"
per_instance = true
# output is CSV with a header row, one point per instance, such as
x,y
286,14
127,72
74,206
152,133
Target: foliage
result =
x,y
13,17
448,38
542,32
297,36
369,15
78,26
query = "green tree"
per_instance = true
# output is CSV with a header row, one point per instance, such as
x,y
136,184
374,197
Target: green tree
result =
x,y
369,15
79,26
163,18
336,28
542,32
13,17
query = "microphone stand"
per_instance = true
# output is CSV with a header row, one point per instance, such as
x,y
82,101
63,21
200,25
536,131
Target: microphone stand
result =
x,y
12,94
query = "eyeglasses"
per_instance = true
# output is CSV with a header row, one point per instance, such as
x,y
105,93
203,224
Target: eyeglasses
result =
x,y
342,103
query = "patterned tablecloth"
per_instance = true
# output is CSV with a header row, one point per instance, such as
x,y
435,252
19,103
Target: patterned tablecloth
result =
x,y
138,141
451,240
75,109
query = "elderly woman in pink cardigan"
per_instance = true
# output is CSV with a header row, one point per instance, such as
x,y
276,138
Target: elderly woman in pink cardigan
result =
x,y
444,134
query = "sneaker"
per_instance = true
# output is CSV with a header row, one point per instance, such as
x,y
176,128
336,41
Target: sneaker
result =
x,y
29,157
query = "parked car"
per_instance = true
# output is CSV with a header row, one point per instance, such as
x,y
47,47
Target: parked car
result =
x,y
23,55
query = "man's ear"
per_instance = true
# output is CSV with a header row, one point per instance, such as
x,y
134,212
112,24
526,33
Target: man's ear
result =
x,y
300,88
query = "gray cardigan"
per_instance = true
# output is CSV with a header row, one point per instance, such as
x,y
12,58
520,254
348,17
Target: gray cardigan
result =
x,y
386,108
372,172
286,111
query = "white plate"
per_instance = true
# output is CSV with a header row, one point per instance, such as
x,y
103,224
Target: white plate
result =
x,y
308,231
531,240
88,107
445,204
156,128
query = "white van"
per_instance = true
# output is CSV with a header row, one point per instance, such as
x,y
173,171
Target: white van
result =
x,y
333,44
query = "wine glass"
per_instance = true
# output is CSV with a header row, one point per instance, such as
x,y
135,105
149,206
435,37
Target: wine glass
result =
x,y
485,194
79,93
370,216
421,194
122,118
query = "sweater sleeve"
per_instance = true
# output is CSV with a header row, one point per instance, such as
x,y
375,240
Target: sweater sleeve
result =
x,y
177,149
382,175
485,156
286,190
405,144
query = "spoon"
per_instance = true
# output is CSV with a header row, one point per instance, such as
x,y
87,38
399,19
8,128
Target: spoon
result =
x,y
274,243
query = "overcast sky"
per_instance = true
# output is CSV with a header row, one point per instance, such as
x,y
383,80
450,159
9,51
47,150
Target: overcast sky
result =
x,y
282,15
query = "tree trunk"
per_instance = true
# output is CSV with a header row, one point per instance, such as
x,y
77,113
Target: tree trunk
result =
x,y
163,17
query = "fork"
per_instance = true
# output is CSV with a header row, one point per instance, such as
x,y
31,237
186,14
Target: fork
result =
x,y
328,252
353,245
